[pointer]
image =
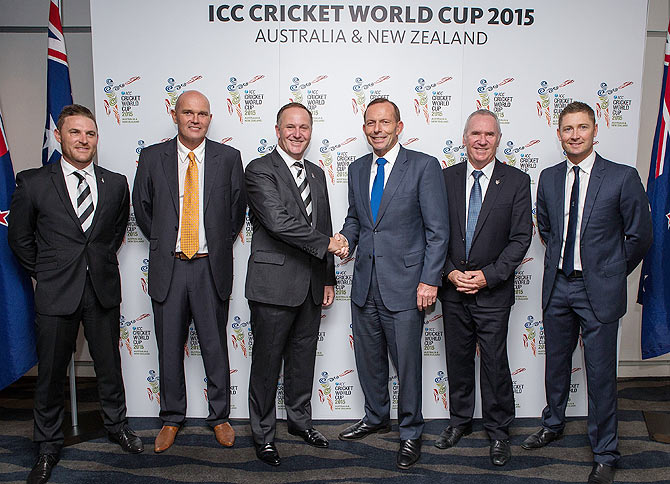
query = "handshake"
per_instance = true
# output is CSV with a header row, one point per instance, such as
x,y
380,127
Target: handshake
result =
x,y
339,245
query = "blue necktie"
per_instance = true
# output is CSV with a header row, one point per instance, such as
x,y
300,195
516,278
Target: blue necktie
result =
x,y
569,251
474,207
377,188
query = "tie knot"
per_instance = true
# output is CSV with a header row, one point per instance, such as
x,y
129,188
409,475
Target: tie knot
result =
x,y
80,176
191,156
381,161
477,173
298,165
576,170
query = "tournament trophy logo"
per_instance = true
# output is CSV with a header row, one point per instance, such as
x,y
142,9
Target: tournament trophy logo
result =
x,y
139,335
453,154
619,105
335,396
533,336
544,104
153,390
527,160
440,389
344,159
172,91
360,88
432,333
501,101
251,98
312,99
426,95
128,101
241,334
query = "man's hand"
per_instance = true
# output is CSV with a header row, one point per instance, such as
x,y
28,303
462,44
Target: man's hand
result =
x,y
425,296
339,245
328,295
468,282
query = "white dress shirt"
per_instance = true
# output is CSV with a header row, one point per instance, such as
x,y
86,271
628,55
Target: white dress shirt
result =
x,y
484,178
71,181
585,169
390,158
182,163
289,160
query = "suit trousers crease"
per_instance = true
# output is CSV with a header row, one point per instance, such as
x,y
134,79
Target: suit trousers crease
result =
x,y
288,334
568,311
56,339
377,333
192,296
465,324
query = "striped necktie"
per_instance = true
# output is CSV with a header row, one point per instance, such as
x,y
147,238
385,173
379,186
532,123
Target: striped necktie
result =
x,y
474,208
190,240
303,188
84,202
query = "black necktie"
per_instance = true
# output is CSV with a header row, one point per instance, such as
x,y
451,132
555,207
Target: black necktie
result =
x,y
569,252
84,202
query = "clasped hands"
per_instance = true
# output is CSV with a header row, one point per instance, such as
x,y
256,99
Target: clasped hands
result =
x,y
339,245
468,282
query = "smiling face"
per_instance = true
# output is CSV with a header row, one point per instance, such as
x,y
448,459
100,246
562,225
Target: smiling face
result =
x,y
381,127
481,140
576,133
192,117
78,138
294,131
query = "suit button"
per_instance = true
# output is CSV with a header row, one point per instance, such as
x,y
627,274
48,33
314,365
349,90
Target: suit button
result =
x,y
172,253
369,257
176,228
462,262
374,231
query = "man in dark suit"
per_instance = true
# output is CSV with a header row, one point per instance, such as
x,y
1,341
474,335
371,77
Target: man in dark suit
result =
x,y
67,221
290,275
398,220
593,216
491,230
189,201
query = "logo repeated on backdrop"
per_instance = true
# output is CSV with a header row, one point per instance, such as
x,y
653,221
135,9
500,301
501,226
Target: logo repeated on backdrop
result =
x,y
344,159
395,391
133,336
264,148
433,332
501,100
431,102
314,99
172,90
453,154
233,389
351,336
280,392
526,159
333,392
533,336
343,285
440,389
247,231
360,88
522,280
517,386
243,102
129,101
544,105
144,279
192,345
242,337
153,390
614,117
133,233
574,389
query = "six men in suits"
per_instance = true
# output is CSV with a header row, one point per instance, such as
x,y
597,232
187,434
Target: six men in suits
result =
x,y
189,201
415,231
491,229
292,241
593,217
67,222
397,219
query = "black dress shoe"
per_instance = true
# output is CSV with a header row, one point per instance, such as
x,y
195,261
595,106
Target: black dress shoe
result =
x,y
127,439
601,474
500,452
42,469
360,430
541,438
268,454
409,453
451,435
312,436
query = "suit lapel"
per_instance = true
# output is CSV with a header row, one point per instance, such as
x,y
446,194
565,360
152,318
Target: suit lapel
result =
x,y
559,193
496,184
102,193
364,187
171,169
287,177
58,180
397,173
211,169
458,185
595,180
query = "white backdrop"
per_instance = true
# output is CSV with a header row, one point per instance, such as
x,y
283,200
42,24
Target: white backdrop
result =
x,y
437,63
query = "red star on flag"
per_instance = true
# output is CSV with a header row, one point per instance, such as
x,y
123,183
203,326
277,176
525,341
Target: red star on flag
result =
x,y
3,217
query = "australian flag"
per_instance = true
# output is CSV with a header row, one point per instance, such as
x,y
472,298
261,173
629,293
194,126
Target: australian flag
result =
x,y
654,294
59,92
17,317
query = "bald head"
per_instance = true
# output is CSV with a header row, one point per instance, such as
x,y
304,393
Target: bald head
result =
x,y
192,116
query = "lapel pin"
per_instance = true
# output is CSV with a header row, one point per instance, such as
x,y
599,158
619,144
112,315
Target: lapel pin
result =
x,y
313,175
102,179
498,181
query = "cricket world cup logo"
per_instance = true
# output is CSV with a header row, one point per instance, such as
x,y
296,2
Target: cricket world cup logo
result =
x,y
111,101
172,90
425,95
124,339
153,390
326,160
483,100
533,329
326,390
511,151
603,104
544,104
234,100
358,102
453,154
440,389
240,328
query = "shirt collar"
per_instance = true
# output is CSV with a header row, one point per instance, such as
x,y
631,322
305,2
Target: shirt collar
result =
x,y
68,169
586,165
487,171
390,156
182,152
289,160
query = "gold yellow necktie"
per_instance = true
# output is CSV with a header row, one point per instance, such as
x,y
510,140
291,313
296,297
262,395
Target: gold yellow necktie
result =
x,y
189,215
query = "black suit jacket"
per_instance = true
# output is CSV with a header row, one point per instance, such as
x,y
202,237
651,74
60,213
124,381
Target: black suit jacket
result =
x,y
502,235
46,236
156,207
288,255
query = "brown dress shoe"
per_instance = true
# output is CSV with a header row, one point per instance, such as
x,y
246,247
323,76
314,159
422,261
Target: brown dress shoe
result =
x,y
225,435
165,438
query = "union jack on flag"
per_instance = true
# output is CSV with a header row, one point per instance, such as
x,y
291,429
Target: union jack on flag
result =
x,y
59,92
